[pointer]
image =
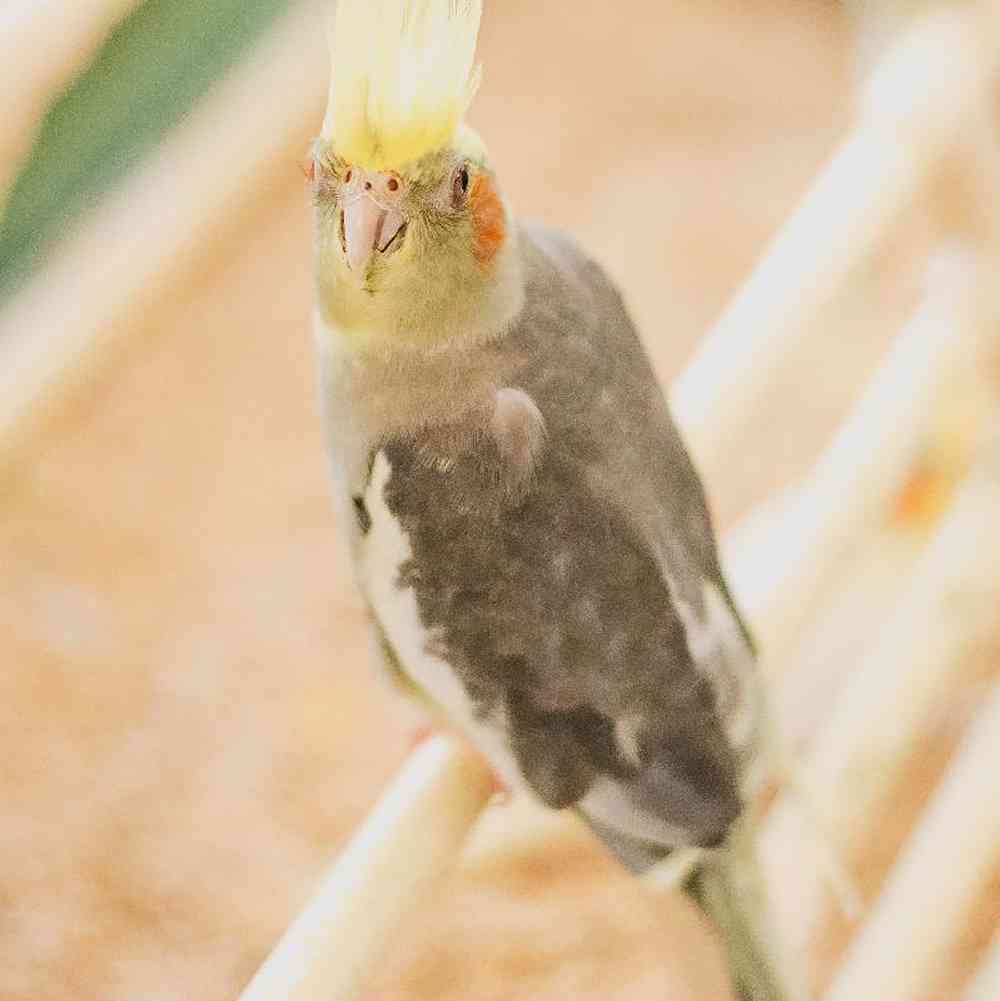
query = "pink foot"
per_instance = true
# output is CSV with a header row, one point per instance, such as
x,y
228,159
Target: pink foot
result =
x,y
425,731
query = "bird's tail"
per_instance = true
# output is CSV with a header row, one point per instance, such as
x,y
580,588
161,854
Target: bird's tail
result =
x,y
727,888
725,884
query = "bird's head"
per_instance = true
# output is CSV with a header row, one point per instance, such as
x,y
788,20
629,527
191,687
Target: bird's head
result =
x,y
411,227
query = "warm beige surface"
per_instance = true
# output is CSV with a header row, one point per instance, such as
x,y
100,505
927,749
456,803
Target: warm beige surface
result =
x,y
188,722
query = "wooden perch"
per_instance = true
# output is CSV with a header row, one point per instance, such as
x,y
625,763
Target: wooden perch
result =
x,y
805,679
410,840
913,692
986,983
853,485
897,956
840,227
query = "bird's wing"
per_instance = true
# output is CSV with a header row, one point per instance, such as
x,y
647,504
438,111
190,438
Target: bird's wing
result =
x,y
573,625
549,631
592,380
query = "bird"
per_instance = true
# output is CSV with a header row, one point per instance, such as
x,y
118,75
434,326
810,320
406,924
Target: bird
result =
x,y
527,527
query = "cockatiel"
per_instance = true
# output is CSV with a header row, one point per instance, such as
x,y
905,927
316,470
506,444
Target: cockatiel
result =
x,y
528,530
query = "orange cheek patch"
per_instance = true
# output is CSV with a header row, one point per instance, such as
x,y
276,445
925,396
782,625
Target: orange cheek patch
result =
x,y
488,220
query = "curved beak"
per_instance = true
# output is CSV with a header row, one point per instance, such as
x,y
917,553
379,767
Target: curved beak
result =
x,y
368,227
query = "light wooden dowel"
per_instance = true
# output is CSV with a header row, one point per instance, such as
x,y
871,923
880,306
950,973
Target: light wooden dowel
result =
x,y
851,488
805,680
920,678
410,840
840,225
898,954
985,985
839,228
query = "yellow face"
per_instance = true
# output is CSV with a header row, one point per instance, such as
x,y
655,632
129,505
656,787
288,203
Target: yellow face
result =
x,y
390,241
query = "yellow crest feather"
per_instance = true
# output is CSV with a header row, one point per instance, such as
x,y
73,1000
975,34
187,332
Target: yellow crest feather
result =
x,y
403,78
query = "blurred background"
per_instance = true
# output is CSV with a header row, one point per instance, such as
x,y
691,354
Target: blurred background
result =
x,y
190,723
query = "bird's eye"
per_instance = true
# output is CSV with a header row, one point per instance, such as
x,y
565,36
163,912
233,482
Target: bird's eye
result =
x,y
393,184
460,185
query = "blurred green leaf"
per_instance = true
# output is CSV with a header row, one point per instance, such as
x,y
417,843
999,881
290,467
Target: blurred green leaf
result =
x,y
151,70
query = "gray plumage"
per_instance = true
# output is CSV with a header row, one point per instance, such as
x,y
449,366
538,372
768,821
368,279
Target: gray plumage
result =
x,y
560,554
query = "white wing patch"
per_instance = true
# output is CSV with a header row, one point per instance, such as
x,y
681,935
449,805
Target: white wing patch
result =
x,y
384,550
717,647
608,803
